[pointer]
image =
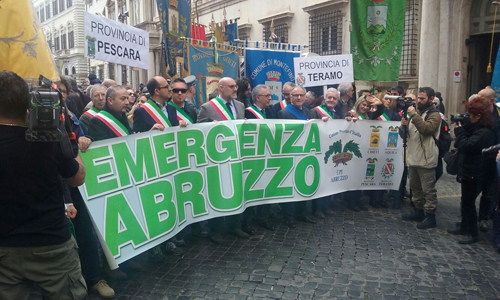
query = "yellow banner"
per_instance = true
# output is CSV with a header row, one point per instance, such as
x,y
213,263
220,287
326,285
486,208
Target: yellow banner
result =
x,y
23,48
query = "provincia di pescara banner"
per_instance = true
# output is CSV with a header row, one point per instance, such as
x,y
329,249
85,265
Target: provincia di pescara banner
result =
x,y
111,41
143,189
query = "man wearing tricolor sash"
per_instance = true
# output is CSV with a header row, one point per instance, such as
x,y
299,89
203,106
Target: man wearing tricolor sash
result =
x,y
327,108
186,111
111,121
260,110
98,98
156,110
287,87
224,108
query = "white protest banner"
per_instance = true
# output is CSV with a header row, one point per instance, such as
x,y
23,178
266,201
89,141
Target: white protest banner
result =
x,y
144,188
323,70
115,42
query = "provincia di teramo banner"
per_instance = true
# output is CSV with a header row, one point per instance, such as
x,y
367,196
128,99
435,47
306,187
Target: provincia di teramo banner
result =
x,y
143,189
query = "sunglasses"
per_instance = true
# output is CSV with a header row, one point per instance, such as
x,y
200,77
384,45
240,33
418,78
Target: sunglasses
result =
x,y
183,91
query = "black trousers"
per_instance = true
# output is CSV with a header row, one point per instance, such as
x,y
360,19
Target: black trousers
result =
x,y
470,190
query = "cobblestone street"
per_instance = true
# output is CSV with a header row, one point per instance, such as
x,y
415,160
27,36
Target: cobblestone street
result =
x,y
367,255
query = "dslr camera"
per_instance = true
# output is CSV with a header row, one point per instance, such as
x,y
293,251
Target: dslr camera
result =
x,y
463,118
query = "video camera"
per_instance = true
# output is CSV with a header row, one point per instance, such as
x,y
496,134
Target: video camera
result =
x,y
48,118
463,118
401,102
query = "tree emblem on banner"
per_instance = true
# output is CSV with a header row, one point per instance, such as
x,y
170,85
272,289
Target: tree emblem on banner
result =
x,y
343,156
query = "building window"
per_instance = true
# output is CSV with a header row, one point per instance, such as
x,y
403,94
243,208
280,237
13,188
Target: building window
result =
x,y
73,70
42,14
64,44
101,72
325,33
71,38
111,67
57,45
69,3
66,71
47,11
281,30
61,5
410,38
54,7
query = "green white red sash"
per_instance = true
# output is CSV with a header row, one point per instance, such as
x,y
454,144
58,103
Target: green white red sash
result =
x,y
324,112
283,104
92,112
109,120
256,112
383,117
181,114
156,113
360,116
221,109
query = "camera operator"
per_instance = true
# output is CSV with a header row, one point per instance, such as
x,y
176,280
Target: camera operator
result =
x,y
471,137
422,157
36,246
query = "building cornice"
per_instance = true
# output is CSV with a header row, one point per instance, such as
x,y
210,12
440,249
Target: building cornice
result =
x,y
213,5
245,26
280,17
324,4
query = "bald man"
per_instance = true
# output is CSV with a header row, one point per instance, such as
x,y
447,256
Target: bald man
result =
x,y
108,83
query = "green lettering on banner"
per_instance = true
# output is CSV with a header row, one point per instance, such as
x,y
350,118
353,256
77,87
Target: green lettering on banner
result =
x,y
164,145
288,147
185,150
300,175
127,166
192,195
246,140
214,186
159,209
266,137
121,226
228,147
313,141
284,166
93,184
256,168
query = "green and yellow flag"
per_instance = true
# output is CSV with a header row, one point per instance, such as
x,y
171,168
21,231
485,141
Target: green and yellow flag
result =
x,y
23,48
377,38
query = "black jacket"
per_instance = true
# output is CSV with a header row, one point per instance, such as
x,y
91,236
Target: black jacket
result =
x,y
471,139
285,114
99,131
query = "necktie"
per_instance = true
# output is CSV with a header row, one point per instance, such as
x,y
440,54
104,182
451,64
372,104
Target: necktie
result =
x,y
228,105
263,112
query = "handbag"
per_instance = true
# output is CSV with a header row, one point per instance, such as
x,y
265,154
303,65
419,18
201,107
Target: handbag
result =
x,y
451,159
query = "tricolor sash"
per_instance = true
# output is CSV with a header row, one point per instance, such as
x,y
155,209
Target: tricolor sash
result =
x,y
156,113
109,120
256,112
296,112
360,116
408,114
283,104
324,112
221,109
92,112
383,117
181,114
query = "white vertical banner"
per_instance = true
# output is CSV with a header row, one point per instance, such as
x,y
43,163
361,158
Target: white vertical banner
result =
x,y
111,41
323,70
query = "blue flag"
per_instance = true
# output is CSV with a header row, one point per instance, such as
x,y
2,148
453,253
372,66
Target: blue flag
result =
x,y
495,80
231,32
271,68
175,16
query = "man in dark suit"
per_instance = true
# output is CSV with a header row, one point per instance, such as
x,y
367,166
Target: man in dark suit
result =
x,y
186,111
287,87
224,108
296,111
156,110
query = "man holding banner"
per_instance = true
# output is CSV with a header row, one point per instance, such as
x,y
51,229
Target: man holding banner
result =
x,y
224,108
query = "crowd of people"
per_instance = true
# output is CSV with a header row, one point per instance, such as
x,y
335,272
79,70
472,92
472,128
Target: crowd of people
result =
x,y
106,110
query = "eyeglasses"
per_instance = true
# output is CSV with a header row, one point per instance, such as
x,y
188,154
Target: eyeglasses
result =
x,y
299,95
131,94
267,96
164,87
286,94
232,86
183,91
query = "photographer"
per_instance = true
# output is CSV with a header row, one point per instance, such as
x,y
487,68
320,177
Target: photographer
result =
x,y
471,137
36,246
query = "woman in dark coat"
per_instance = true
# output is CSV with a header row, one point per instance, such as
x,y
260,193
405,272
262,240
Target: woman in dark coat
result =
x,y
471,138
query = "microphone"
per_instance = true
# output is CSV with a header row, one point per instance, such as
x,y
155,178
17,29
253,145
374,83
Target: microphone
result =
x,y
397,98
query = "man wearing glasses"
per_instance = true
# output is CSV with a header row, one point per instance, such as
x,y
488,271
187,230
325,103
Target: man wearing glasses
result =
x,y
186,111
156,110
296,111
224,108
287,87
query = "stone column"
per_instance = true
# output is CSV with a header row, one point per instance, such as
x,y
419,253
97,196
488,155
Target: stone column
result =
x,y
429,44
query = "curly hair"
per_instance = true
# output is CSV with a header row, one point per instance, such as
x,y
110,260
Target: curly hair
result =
x,y
476,107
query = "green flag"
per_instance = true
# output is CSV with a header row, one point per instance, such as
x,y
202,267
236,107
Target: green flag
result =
x,y
377,38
